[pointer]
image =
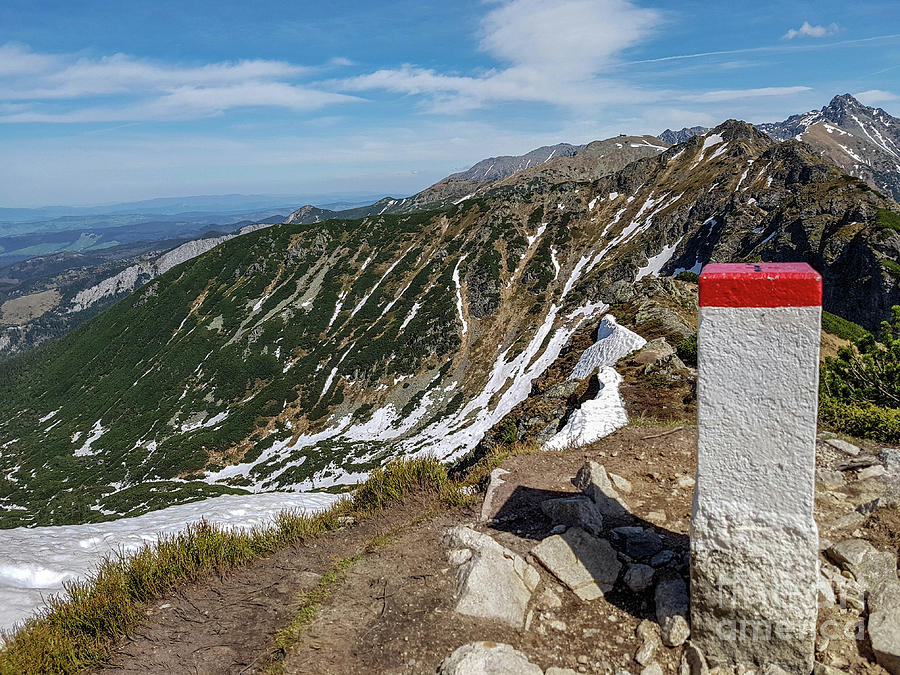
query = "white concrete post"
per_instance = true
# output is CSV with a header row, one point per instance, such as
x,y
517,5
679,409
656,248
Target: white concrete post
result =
x,y
754,543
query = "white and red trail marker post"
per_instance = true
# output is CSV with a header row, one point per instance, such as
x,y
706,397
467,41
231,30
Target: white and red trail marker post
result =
x,y
754,542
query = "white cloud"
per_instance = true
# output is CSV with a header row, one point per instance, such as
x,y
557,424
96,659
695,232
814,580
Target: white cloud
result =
x,y
808,30
551,51
48,88
873,96
734,94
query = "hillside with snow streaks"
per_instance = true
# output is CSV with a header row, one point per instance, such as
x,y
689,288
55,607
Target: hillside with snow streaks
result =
x,y
301,356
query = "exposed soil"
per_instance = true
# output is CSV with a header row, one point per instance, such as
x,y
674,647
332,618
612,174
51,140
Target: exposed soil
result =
x,y
394,614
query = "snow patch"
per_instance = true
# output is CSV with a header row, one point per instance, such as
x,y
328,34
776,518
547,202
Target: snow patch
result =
x,y
613,342
96,432
657,262
459,300
596,418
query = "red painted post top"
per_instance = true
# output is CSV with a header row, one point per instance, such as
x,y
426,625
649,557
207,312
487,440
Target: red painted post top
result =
x,y
760,285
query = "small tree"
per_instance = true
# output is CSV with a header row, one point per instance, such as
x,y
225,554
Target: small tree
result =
x,y
867,371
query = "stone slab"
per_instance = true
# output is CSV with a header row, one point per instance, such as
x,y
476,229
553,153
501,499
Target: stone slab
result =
x,y
587,565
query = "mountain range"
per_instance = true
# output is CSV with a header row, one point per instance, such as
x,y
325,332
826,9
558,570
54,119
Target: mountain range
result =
x,y
302,355
861,140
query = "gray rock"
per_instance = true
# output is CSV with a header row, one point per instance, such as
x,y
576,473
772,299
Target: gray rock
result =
x,y
653,352
645,653
644,545
577,511
890,457
830,480
638,578
487,507
587,565
822,669
562,390
870,567
884,596
692,661
459,556
856,463
884,632
875,471
672,610
825,592
593,480
653,669
548,600
553,670
662,558
843,446
487,658
495,583
621,483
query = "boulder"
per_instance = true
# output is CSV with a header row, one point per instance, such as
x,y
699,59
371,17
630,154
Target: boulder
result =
x,y
577,511
495,583
884,633
638,577
593,480
654,351
587,565
843,446
672,606
487,658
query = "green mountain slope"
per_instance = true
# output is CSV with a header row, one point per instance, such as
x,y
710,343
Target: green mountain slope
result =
x,y
302,355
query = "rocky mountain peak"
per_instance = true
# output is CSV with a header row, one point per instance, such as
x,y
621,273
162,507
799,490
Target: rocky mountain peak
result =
x,y
674,137
861,140
738,130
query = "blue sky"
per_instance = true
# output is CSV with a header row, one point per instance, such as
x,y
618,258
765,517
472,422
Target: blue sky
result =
x,y
104,101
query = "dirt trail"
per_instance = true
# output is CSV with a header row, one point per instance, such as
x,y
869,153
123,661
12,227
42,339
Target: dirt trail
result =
x,y
226,624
